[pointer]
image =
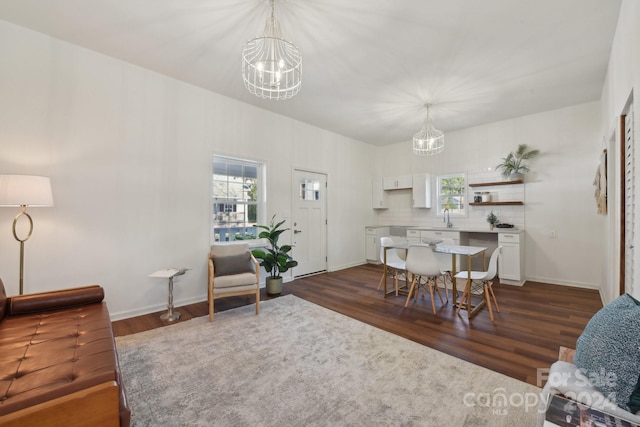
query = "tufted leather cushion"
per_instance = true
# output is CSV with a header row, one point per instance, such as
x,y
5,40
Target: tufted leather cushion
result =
x,y
53,353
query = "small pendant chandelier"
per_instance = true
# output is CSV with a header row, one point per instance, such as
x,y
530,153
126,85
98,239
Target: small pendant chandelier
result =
x,y
429,140
271,65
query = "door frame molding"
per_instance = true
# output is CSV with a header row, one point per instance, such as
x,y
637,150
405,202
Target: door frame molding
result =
x,y
622,204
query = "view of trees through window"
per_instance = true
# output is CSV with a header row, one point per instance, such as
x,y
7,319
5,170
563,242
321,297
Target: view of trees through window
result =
x,y
235,199
451,194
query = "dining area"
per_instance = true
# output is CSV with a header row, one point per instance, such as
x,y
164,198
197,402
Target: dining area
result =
x,y
436,266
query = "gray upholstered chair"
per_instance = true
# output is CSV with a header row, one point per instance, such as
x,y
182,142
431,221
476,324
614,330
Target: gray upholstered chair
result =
x,y
232,271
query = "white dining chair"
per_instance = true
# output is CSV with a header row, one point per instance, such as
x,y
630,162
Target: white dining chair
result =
x,y
396,266
481,281
422,264
445,263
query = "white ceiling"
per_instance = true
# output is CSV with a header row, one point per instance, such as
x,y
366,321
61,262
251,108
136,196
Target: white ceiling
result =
x,y
369,66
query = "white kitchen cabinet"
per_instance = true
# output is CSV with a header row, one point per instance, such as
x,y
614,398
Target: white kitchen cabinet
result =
x,y
372,243
421,190
511,261
397,182
441,234
413,236
378,195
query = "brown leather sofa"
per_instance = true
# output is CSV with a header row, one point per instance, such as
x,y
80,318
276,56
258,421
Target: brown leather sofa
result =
x,y
58,361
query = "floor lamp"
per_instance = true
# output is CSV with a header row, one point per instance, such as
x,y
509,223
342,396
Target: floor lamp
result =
x,y
24,191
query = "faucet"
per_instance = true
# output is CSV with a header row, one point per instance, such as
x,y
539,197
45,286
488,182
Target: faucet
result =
x,y
446,218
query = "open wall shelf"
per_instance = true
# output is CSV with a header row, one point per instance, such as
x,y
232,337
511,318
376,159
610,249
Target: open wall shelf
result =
x,y
488,184
516,203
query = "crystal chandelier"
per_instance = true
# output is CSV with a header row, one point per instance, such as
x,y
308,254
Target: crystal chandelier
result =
x,y
429,140
271,65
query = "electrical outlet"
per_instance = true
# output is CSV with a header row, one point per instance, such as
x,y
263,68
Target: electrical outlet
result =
x,y
553,234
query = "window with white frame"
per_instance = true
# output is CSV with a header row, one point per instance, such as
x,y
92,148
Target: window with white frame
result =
x,y
236,202
451,194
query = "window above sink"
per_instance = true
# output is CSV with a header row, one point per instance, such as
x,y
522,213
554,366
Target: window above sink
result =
x,y
451,194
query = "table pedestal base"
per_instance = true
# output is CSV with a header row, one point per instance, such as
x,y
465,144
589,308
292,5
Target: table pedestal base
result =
x,y
170,315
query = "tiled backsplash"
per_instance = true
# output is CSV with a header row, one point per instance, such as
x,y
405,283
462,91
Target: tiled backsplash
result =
x,y
401,212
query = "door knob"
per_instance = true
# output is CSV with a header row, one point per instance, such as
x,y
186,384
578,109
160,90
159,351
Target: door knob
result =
x,y
297,231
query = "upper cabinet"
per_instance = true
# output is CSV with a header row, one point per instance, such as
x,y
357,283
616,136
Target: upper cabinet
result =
x,y
422,190
397,182
420,185
378,195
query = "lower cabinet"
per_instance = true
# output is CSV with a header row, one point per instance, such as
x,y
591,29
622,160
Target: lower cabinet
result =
x,y
436,234
413,236
372,243
511,261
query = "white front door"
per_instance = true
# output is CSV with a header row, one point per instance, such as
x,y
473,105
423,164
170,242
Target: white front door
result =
x,y
309,222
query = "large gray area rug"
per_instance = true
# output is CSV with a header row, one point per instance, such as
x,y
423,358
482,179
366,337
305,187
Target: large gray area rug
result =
x,y
299,364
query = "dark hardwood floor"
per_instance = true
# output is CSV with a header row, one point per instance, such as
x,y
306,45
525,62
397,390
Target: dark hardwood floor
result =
x,y
534,320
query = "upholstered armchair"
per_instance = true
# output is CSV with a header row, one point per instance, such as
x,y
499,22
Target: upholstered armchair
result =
x,y
232,271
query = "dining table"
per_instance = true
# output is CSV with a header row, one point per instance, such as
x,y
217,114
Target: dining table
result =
x,y
454,250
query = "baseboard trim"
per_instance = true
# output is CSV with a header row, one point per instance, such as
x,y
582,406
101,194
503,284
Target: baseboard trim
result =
x,y
563,282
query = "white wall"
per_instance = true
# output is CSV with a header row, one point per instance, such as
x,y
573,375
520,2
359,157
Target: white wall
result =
x,y
559,193
623,75
128,152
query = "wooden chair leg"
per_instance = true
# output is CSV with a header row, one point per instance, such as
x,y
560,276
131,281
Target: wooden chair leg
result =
x,y
435,284
413,285
446,291
381,280
258,301
211,308
494,297
488,300
433,299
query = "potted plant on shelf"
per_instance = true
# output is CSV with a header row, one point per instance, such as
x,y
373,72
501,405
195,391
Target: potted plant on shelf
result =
x,y
512,166
275,259
492,219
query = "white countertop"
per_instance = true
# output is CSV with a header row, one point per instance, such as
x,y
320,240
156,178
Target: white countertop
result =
x,y
469,230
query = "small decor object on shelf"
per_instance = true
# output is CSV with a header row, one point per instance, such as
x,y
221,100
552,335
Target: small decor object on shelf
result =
x,y
512,166
492,219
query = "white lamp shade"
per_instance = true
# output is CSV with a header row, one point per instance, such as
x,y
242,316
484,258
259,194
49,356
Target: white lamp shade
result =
x,y
27,190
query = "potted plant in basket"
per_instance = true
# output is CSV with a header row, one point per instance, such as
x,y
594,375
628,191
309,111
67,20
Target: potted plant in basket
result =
x,y
492,219
275,259
512,166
